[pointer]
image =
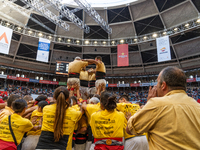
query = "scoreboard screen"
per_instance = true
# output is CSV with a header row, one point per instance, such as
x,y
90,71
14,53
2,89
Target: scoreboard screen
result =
x,y
62,67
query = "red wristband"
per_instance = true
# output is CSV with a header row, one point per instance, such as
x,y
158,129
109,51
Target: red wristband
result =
x,y
72,89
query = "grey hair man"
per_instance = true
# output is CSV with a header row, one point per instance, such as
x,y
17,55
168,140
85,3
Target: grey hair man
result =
x,y
94,100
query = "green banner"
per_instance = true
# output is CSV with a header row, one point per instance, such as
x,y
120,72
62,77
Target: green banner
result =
x,y
62,83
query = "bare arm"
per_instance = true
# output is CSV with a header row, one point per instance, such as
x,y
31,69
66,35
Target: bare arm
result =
x,y
84,105
30,110
82,130
2,105
35,128
91,61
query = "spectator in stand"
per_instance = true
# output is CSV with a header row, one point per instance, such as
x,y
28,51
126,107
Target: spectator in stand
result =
x,y
171,118
8,110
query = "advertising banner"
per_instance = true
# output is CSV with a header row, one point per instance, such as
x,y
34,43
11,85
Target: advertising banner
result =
x,y
191,80
34,80
62,83
5,39
43,50
122,55
3,76
112,85
163,48
123,85
134,84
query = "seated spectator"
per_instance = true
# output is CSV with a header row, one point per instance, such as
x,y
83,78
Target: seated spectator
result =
x,y
8,110
14,126
171,118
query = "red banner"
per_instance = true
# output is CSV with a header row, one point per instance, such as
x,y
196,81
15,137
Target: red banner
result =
x,y
12,77
23,79
45,81
191,80
112,85
54,82
122,55
134,84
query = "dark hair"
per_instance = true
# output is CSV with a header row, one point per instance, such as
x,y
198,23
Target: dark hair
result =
x,y
42,104
108,101
124,96
174,77
99,58
61,94
5,98
74,99
40,98
97,95
11,99
27,98
19,105
90,96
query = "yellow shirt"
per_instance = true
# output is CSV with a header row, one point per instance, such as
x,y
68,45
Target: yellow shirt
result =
x,y
76,65
125,108
19,126
100,67
84,76
71,117
7,111
90,109
76,107
172,122
108,124
92,76
82,123
37,114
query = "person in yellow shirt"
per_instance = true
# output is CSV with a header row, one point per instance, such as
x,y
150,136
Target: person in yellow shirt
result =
x,y
58,122
170,117
108,125
100,72
8,110
32,138
92,80
15,124
132,142
74,71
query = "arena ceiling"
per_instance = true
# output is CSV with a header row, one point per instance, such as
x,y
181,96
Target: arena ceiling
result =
x,y
126,20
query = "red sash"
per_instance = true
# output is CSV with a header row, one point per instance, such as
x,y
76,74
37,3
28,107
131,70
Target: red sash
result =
x,y
108,147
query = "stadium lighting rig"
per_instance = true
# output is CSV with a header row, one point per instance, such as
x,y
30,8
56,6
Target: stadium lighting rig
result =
x,y
65,12
92,13
40,7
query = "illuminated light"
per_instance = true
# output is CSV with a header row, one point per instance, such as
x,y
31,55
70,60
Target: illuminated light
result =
x,y
7,24
155,35
187,25
19,28
50,37
104,42
77,41
145,37
121,41
198,20
113,42
87,42
59,39
40,34
135,40
95,42
68,40
175,29
29,31
164,33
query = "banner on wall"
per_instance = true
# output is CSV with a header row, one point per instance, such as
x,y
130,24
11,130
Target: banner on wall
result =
x,y
122,55
163,48
5,39
43,50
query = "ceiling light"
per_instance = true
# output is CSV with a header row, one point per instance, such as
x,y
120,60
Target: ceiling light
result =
x,y
113,42
68,40
175,29
29,31
135,40
87,42
121,41
59,39
95,42
155,35
19,28
164,33
7,24
145,37
77,41
187,25
198,20
49,37
104,42
40,34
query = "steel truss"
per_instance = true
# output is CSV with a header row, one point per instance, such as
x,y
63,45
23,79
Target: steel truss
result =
x,y
65,12
92,13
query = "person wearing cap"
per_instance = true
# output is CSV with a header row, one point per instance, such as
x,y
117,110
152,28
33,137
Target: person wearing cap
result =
x,y
74,70
15,124
100,72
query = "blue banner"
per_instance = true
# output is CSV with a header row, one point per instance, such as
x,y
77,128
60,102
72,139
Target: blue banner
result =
x,y
43,50
34,80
